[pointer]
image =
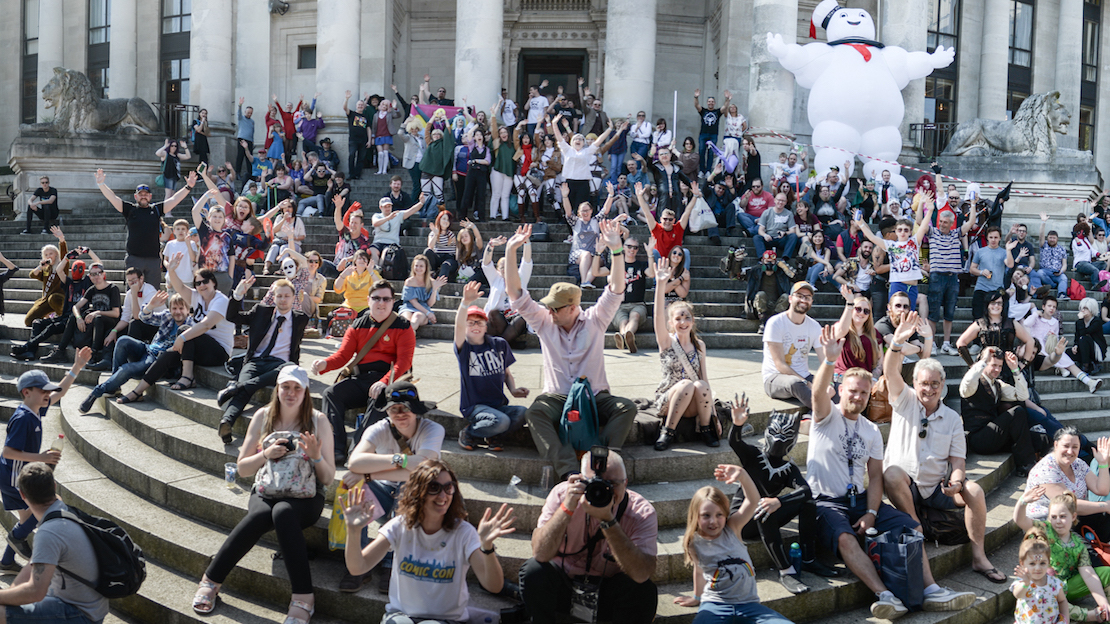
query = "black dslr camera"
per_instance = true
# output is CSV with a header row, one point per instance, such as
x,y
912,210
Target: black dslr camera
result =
x,y
599,491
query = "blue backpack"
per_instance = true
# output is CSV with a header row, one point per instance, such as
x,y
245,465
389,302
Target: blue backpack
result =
x,y
578,426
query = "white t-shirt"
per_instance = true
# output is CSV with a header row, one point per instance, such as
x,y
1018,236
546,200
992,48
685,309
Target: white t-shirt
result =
x,y
924,460
536,108
429,571
796,341
428,437
508,114
387,230
224,331
145,295
831,441
185,269
792,173
905,261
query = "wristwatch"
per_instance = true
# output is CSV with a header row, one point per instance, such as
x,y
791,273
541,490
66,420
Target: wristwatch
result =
x,y
873,512
398,460
605,524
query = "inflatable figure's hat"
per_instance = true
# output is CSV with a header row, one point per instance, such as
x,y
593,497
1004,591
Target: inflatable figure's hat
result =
x,y
822,13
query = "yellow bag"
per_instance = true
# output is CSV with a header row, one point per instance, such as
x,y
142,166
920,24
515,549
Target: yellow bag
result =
x,y
337,526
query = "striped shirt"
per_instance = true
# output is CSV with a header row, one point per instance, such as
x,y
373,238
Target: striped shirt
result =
x,y
945,252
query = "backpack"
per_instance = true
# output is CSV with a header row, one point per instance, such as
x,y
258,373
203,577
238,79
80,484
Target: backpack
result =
x,y
1076,292
119,560
394,263
338,321
578,425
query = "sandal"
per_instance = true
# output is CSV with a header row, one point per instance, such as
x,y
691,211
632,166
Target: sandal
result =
x,y
180,386
203,604
130,397
300,604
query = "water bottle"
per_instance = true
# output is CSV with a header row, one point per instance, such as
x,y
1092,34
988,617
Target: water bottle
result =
x,y
859,214
59,443
796,557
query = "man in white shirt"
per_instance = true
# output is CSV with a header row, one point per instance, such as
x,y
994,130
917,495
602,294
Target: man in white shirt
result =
x,y
537,106
788,338
843,448
506,110
926,438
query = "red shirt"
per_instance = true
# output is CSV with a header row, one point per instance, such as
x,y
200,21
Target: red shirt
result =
x,y
395,347
758,204
665,240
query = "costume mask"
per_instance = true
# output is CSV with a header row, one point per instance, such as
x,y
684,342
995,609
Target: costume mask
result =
x,y
781,434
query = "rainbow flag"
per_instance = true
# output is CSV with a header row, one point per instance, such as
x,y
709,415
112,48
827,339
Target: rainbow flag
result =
x,y
424,112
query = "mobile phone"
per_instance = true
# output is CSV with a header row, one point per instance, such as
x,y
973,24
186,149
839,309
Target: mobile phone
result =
x,y
202,167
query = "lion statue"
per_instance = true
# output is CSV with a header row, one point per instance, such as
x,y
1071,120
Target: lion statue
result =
x,y
1032,131
78,110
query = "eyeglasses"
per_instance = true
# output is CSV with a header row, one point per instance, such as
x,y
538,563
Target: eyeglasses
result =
x,y
627,246
95,273
435,488
862,310
313,261
924,428
803,297
381,299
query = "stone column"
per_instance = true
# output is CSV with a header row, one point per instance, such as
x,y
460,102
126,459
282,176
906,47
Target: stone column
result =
x,y
337,65
377,47
1102,117
736,50
1069,65
994,66
210,49
630,57
905,23
252,59
51,48
122,53
478,37
771,91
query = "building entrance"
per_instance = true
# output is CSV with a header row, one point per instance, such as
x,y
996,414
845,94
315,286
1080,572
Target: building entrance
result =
x,y
560,68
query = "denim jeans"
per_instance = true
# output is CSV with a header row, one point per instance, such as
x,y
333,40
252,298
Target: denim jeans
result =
x,y
49,610
1045,277
911,291
705,155
748,613
487,422
814,274
1090,270
785,244
1051,426
748,223
616,166
944,290
316,200
130,360
386,493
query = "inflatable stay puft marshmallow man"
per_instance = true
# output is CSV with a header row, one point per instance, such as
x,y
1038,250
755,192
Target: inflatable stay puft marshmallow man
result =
x,y
855,83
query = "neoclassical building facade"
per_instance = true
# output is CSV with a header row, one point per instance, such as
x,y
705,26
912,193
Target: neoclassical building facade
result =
x,y
637,53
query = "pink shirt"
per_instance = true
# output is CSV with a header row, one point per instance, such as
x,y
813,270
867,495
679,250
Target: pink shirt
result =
x,y
568,355
758,204
638,522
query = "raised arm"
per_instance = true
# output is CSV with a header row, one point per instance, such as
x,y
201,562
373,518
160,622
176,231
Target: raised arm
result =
x,y
469,296
695,195
822,403
512,272
610,232
659,313
649,218
892,361
842,326
112,198
182,193
878,241
198,209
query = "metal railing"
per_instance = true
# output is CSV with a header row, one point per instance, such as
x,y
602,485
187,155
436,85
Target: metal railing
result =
x,y
931,138
555,5
176,118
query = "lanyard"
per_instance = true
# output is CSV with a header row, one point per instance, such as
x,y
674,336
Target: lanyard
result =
x,y
852,490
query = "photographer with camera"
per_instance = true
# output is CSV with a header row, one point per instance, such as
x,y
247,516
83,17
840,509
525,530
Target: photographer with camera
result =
x,y
594,548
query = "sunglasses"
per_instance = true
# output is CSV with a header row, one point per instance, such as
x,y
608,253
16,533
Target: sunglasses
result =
x,y
631,246
142,189
403,394
862,310
924,428
435,488
381,299
312,261
900,306
95,273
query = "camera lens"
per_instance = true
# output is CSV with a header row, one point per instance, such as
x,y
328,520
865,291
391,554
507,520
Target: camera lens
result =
x,y
599,492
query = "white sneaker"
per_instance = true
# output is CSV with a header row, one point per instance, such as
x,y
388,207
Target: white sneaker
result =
x,y
1093,384
888,607
1064,373
948,600
974,350
948,349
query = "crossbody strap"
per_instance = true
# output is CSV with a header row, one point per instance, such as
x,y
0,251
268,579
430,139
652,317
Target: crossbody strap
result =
x,y
682,357
370,343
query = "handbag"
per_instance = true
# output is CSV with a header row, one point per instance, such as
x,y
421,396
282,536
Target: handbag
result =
x,y
160,180
540,233
944,526
702,217
292,476
879,409
350,369
897,557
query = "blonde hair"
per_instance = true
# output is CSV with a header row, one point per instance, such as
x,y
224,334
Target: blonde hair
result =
x,y
856,372
707,493
54,248
1067,499
427,269
1035,542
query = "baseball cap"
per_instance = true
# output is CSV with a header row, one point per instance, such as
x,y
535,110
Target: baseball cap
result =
x,y
476,311
292,372
385,200
401,393
561,295
802,285
35,379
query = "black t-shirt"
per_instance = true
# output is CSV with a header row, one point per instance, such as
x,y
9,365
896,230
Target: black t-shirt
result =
x,y
143,228
403,202
357,125
635,281
752,171
709,120
885,329
49,192
320,183
102,300
769,283
769,480
567,110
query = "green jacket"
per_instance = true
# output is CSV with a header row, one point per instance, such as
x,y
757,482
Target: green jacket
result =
x,y
439,156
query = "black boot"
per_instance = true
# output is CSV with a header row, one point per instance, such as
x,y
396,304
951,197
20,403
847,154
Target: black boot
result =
x,y
666,439
708,435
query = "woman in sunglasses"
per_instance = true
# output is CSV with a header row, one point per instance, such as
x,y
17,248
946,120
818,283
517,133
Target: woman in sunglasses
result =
x,y
434,544
864,347
291,439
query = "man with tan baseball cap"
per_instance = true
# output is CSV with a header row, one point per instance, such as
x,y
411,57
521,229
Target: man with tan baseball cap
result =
x,y
573,343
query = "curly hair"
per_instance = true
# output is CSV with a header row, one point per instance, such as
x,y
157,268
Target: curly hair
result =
x,y
411,505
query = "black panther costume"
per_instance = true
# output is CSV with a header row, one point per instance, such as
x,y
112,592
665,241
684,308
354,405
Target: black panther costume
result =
x,y
772,471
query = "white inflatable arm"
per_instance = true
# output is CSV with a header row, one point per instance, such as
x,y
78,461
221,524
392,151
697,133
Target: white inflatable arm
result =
x,y
807,63
906,66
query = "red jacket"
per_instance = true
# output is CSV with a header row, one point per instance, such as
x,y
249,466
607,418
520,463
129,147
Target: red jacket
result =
x,y
395,347
287,120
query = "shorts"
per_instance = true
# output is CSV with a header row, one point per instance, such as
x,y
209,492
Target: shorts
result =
x,y
381,247
937,500
383,140
12,500
835,517
171,184
576,256
47,611
625,310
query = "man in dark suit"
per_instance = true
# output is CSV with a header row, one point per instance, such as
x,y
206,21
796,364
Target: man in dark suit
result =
x,y
275,339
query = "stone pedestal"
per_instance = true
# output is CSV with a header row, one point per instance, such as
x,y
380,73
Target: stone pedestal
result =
x,y
71,161
1070,174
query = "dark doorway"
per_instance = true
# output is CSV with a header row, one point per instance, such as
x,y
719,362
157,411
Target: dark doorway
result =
x,y
559,68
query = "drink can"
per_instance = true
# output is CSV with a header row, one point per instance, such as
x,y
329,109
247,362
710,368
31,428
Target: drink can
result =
x,y
231,473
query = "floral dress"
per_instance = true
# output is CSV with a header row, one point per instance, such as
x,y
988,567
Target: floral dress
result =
x,y
1037,605
673,370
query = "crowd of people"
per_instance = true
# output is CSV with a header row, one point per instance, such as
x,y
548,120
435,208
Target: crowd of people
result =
x,y
624,189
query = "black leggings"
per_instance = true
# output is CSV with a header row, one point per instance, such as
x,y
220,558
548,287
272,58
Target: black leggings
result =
x,y
768,529
579,193
443,264
93,335
201,351
1009,430
474,193
288,517
1085,351
509,330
